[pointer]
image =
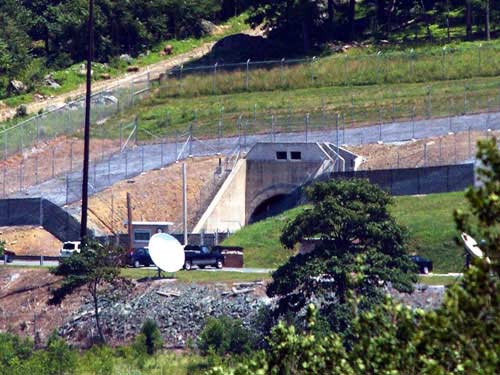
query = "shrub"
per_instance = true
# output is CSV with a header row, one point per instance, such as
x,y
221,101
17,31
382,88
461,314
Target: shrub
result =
x,y
149,340
21,111
224,335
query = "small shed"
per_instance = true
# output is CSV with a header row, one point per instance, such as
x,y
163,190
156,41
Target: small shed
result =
x,y
233,255
142,231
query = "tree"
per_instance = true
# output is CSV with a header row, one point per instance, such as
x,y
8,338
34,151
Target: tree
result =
x,y
361,249
94,267
149,340
292,18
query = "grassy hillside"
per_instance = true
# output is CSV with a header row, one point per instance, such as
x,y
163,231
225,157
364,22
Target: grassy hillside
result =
x,y
429,220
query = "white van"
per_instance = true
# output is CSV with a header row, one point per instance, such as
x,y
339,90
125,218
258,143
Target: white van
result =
x,y
69,247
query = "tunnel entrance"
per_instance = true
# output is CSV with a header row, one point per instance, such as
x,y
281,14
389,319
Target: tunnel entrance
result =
x,y
272,207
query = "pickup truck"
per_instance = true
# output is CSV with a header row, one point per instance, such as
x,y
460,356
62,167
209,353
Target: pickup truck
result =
x,y
201,256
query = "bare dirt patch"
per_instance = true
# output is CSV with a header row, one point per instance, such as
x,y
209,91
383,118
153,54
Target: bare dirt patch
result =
x,y
449,149
156,196
23,302
30,240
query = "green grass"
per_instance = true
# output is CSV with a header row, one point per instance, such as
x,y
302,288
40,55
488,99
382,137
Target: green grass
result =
x,y
196,276
166,363
438,280
261,241
429,221
163,115
432,230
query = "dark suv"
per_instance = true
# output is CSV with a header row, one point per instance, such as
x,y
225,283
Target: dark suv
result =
x,y
201,256
424,265
7,256
139,257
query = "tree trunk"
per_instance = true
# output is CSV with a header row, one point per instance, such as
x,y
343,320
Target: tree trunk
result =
x,y
96,312
468,19
305,36
351,17
330,12
380,13
487,23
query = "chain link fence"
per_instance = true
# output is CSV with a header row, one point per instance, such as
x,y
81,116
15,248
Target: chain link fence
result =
x,y
410,66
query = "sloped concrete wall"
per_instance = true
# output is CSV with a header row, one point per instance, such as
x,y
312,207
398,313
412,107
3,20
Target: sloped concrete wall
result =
x,y
226,212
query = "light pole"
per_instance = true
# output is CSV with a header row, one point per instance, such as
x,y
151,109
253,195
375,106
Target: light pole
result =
x,y
86,149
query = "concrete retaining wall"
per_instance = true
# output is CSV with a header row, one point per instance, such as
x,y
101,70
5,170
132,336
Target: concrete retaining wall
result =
x,y
37,211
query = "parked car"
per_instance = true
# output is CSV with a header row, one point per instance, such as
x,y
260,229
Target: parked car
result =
x,y
69,247
8,256
201,256
139,257
424,265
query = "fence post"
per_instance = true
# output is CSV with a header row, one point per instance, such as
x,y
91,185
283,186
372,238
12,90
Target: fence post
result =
x,y
429,102
67,189
176,145
121,135
469,144
71,157
247,75
282,72
443,61
36,170
413,114
126,163
4,179
380,125
425,154
465,99
337,131
161,152
479,58
378,58
272,129
190,140
215,78
53,160
142,159
312,69
21,176
307,125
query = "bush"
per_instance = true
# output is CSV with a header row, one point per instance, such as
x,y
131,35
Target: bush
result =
x,y
149,340
224,335
21,111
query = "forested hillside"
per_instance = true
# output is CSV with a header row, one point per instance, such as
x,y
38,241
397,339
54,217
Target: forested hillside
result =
x,y
38,36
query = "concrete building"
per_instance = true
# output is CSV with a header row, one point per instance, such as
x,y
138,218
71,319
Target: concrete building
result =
x,y
268,179
142,231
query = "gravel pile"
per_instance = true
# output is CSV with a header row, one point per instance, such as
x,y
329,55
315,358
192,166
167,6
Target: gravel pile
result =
x,y
179,310
427,297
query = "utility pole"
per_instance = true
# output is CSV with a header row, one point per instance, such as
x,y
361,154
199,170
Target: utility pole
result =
x,y
86,149
129,222
184,204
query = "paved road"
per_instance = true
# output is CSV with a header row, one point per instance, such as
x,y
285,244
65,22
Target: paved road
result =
x,y
138,159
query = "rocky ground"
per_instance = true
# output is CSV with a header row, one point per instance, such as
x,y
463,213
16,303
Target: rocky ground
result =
x,y
180,311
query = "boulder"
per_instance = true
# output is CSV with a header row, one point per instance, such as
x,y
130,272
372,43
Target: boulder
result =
x,y
127,58
207,27
18,86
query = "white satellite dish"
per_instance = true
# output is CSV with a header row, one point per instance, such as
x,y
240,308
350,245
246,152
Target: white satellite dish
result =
x,y
166,252
472,247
